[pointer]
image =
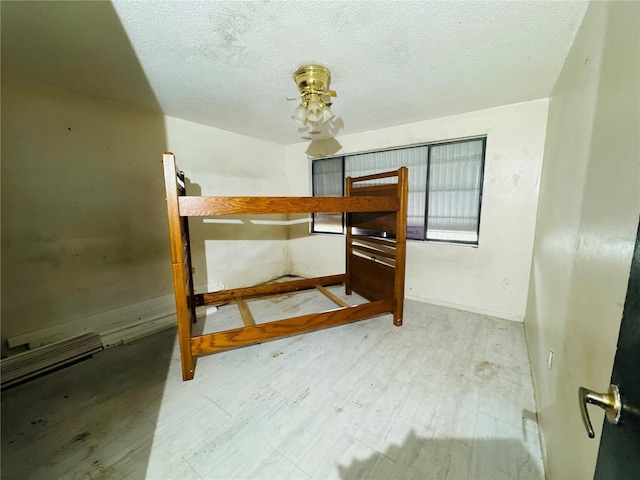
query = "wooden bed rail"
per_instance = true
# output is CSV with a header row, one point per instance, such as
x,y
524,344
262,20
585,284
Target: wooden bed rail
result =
x,y
205,206
376,237
248,335
267,289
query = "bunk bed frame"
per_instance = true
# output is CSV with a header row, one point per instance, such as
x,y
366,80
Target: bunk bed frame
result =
x,y
376,207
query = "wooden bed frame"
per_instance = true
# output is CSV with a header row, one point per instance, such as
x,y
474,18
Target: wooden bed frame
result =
x,y
376,207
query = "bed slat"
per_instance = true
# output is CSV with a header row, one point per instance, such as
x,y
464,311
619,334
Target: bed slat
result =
x,y
245,313
387,242
370,252
337,300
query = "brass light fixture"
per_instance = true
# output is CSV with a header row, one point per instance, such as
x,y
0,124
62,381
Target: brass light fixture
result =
x,y
315,97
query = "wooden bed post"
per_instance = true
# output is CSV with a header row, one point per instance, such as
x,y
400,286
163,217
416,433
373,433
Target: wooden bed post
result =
x,y
401,244
348,239
181,264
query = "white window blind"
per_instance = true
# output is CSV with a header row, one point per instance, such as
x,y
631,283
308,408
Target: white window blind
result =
x,y
328,181
445,187
415,159
455,180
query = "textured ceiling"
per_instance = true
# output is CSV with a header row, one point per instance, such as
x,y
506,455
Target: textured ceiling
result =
x,y
230,64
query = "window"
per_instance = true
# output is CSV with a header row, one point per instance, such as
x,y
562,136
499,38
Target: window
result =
x,y
445,187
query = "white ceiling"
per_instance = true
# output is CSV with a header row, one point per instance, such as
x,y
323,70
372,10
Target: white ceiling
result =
x,y
230,64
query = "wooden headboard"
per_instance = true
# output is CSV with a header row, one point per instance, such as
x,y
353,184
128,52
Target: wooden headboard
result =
x,y
376,241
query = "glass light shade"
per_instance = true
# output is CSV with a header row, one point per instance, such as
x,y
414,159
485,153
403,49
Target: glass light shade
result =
x,y
314,111
327,114
300,115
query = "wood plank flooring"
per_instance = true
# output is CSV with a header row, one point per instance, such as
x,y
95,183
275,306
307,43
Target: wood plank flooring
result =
x,y
446,396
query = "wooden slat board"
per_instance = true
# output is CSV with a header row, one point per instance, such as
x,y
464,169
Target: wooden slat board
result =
x,y
387,242
371,252
337,300
245,313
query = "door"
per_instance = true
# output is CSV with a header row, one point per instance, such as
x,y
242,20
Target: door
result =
x,y
619,454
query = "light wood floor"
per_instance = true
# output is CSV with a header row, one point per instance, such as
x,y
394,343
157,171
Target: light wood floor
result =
x,y
448,395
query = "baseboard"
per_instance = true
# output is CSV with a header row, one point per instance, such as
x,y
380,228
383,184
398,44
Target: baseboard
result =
x,y
467,308
125,324
50,335
119,325
40,360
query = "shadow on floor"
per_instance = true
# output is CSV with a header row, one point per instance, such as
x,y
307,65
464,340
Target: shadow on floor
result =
x,y
446,458
96,418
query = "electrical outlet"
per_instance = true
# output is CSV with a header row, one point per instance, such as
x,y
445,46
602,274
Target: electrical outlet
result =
x,y
550,359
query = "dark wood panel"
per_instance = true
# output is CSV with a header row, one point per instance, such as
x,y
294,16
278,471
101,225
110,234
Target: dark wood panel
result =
x,y
373,221
207,206
372,280
238,337
269,289
375,191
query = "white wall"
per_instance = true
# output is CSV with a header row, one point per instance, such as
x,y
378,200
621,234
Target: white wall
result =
x,y
82,216
586,227
217,162
84,227
492,278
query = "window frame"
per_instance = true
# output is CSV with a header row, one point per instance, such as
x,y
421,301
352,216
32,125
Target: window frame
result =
x,y
427,188
313,193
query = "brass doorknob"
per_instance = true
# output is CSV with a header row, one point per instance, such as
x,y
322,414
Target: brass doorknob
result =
x,y
610,402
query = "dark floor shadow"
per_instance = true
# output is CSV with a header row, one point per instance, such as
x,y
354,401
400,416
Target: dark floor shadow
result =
x,y
447,458
82,421
84,215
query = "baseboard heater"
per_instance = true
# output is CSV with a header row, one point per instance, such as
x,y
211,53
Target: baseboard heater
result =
x,y
34,362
